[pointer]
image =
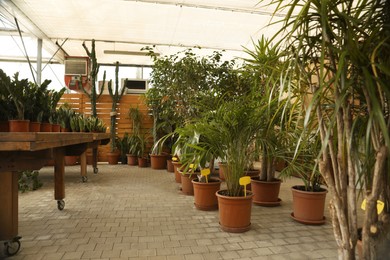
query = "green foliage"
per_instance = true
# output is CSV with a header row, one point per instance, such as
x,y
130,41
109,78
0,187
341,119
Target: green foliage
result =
x,y
82,123
337,59
65,114
124,145
29,180
135,116
93,95
116,96
186,85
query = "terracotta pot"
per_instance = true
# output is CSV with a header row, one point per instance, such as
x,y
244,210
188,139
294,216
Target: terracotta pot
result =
x,y
266,193
308,207
142,162
113,157
35,127
158,161
170,167
359,249
221,171
65,130
186,183
71,160
251,173
19,125
132,159
204,194
56,128
280,165
46,127
176,167
4,126
234,212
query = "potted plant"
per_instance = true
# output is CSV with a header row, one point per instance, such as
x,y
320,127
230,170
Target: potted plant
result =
x,y
116,95
135,116
203,187
339,65
228,132
264,63
93,95
16,89
141,151
308,198
65,113
123,145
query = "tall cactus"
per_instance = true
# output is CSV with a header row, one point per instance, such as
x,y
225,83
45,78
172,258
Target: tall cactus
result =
x,y
93,96
116,97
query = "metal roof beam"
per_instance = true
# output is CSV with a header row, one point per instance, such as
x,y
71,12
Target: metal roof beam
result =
x,y
10,11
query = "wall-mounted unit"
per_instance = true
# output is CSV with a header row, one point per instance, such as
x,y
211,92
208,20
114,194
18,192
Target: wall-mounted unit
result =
x,y
76,72
135,86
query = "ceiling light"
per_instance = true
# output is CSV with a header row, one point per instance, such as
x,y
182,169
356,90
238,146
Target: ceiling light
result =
x,y
134,53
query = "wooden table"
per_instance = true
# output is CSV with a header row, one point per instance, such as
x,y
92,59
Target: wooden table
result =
x,y
31,151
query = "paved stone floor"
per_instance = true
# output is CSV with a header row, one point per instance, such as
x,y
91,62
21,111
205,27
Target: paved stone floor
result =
x,y
125,212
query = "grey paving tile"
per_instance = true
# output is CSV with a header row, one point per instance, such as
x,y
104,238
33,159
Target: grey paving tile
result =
x,y
130,213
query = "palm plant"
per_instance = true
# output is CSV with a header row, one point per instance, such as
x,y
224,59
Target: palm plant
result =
x,y
337,54
226,133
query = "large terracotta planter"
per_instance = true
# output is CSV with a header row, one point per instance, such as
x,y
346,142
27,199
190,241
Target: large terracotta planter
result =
x,y
170,167
266,193
71,160
35,127
132,159
4,126
113,157
19,125
186,183
251,173
204,194
308,207
142,162
46,127
221,171
56,128
234,212
176,167
158,162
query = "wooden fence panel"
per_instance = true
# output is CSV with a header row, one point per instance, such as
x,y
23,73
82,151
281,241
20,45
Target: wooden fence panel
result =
x,y
81,104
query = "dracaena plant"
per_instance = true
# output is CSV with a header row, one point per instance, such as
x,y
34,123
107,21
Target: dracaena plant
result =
x,y
337,55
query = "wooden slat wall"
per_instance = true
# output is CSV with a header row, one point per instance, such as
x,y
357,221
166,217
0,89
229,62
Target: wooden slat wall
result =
x,y
81,104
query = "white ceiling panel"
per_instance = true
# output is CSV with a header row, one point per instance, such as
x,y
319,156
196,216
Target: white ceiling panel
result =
x,y
129,25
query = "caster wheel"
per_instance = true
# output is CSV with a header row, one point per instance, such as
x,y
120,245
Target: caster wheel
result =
x,y
60,204
95,170
84,178
12,247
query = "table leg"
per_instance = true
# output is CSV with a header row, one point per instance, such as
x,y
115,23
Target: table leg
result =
x,y
83,166
95,159
8,205
59,176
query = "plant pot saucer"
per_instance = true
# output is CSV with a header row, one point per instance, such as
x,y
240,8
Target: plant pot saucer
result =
x,y
234,229
308,222
268,203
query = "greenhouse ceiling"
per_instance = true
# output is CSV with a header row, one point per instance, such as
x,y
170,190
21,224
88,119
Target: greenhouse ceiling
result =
x,y
122,27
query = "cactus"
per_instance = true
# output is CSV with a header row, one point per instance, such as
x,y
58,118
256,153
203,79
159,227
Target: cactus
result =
x,y
93,96
116,97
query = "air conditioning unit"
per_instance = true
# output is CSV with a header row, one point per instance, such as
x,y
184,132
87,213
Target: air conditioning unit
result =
x,y
76,72
135,86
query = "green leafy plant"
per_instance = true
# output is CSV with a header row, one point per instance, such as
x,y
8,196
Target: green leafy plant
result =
x,y
29,180
337,55
65,114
